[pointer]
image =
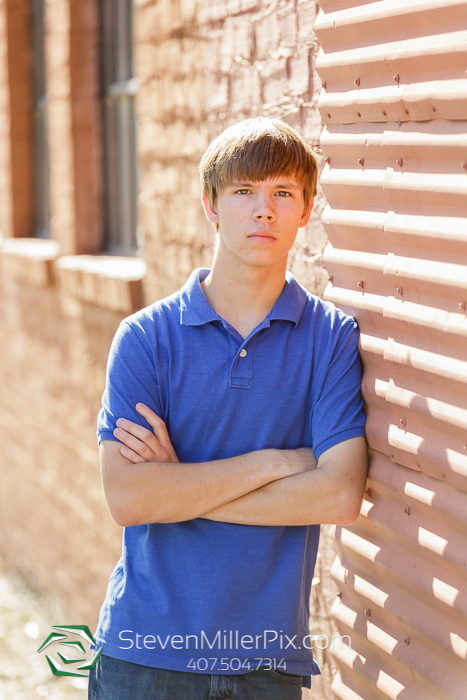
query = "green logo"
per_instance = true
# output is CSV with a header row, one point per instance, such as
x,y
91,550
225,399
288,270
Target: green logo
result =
x,y
72,646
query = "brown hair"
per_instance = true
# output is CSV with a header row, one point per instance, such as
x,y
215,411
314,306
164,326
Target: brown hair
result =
x,y
257,149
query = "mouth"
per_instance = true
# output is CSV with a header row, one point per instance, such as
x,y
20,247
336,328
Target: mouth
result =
x,y
262,236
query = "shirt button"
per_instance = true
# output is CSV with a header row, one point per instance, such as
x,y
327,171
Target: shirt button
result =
x,y
243,352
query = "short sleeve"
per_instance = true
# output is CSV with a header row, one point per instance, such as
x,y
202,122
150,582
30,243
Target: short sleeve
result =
x,y
130,378
338,413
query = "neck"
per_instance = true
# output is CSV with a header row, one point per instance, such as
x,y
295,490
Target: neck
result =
x,y
244,296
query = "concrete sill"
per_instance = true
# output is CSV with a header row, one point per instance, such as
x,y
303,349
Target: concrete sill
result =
x,y
103,280
29,260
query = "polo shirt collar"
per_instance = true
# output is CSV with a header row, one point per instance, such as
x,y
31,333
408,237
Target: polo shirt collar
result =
x,y
195,310
291,303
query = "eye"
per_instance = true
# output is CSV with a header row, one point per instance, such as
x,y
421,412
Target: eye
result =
x,y
283,193
242,191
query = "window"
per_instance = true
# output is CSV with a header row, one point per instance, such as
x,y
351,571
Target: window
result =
x,y
119,129
41,151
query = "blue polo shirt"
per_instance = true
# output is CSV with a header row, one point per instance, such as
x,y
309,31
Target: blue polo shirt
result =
x,y
200,595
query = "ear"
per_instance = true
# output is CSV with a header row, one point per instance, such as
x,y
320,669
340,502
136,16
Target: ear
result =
x,y
306,215
210,210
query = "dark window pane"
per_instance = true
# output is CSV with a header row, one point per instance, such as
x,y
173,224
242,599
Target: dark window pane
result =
x,y
119,88
41,151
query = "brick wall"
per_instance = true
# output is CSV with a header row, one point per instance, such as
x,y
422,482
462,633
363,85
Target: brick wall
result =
x,y
73,90
53,520
59,317
16,197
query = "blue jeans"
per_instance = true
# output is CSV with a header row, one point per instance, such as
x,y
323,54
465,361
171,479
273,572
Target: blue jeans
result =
x,y
112,679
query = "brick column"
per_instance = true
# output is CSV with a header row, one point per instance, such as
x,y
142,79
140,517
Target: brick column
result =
x,y
16,193
74,124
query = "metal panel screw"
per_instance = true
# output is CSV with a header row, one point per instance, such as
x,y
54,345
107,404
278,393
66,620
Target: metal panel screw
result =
x,y
464,165
360,284
324,85
384,112
406,111
328,160
329,116
407,510
462,306
368,492
368,612
357,82
359,114
403,421
361,161
399,290
400,162
396,78
407,641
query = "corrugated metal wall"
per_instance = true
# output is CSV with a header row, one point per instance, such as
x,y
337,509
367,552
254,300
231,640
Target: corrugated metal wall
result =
x,y
393,100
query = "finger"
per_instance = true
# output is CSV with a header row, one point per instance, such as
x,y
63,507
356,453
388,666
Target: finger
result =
x,y
131,456
159,427
144,435
139,431
155,441
150,453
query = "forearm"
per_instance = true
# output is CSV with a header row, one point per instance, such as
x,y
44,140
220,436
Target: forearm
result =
x,y
297,500
171,492
323,495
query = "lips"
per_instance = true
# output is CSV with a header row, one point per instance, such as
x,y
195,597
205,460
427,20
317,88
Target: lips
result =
x,y
265,235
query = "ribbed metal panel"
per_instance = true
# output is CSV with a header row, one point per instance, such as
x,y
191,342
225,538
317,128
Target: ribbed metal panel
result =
x,y
394,105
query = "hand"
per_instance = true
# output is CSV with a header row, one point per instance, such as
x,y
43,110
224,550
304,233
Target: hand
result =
x,y
142,445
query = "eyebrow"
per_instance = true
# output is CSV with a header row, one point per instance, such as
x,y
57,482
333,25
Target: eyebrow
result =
x,y
283,185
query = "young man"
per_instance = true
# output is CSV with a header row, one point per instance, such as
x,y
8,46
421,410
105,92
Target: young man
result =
x,y
232,425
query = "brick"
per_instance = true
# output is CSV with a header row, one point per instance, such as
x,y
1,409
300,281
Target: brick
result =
x,y
312,125
217,93
249,5
225,47
243,37
267,36
275,80
299,68
306,12
287,28
189,11
245,89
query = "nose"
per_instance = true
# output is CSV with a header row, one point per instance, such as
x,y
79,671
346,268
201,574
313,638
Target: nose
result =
x,y
264,210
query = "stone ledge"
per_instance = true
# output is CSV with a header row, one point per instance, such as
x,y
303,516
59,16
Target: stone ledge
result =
x,y
29,260
103,280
